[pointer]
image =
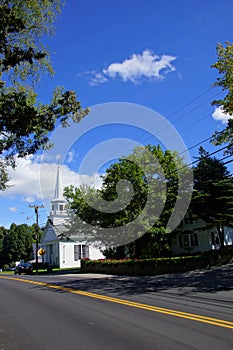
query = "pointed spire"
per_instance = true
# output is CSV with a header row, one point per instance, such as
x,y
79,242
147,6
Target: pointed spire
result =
x,y
58,194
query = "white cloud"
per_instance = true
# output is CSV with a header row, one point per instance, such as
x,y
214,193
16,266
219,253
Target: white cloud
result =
x,y
29,199
139,66
98,78
219,115
34,181
71,156
13,209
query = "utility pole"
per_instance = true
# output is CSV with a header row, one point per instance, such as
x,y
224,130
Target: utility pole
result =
x,y
36,207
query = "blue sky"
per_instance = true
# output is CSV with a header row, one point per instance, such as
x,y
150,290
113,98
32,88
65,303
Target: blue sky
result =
x,y
148,53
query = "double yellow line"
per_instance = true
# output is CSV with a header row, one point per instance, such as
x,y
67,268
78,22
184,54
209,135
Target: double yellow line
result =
x,y
186,315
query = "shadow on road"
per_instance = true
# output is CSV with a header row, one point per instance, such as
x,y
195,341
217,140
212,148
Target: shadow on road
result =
x,y
218,279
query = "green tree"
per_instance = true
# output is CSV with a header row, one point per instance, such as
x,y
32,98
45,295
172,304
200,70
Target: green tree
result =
x,y
17,243
213,192
24,122
148,175
3,232
224,65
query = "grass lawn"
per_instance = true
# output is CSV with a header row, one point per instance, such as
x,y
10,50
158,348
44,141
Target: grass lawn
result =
x,y
44,271
7,272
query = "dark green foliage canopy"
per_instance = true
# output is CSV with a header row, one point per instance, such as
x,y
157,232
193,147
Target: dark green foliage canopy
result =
x,y
16,243
213,192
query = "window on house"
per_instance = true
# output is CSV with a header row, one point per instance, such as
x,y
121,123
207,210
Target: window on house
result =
x,y
53,207
193,240
61,207
85,251
77,252
81,251
188,239
215,238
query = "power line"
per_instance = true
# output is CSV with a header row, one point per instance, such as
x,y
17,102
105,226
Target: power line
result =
x,y
179,118
207,156
195,123
181,108
187,104
229,155
190,102
197,144
195,108
229,161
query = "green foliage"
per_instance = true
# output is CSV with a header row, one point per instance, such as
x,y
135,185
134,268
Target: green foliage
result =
x,y
3,232
224,65
213,192
23,24
16,243
25,123
147,172
159,265
140,262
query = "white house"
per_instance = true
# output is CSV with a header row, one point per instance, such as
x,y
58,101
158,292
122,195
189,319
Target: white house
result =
x,y
195,235
62,252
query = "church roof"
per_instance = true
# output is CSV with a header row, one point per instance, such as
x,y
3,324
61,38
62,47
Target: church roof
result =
x,y
59,233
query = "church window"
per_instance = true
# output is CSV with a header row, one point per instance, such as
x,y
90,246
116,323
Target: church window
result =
x,y
81,251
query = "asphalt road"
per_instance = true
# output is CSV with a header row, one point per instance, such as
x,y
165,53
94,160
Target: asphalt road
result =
x,y
92,312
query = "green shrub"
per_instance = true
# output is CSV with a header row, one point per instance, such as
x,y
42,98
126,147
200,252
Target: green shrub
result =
x,y
160,265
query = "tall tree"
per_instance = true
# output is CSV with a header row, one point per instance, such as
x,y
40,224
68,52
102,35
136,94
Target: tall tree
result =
x,y
24,122
224,65
141,188
213,192
3,232
17,243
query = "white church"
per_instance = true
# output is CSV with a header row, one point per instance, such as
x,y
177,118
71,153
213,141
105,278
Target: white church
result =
x,y
59,251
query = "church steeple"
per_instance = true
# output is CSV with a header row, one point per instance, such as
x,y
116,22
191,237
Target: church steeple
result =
x,y
58,212
58,194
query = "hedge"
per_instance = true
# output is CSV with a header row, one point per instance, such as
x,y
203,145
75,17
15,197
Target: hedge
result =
x,y
158,266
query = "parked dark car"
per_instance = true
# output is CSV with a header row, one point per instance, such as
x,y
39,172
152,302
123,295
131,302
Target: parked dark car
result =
x,y
23,268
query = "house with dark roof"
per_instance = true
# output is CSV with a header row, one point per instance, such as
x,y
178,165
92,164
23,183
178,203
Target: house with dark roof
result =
x,y
194,234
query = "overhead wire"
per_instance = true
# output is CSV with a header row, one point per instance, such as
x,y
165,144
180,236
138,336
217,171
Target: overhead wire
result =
x,y
206,156
190,102
179,118
229,161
